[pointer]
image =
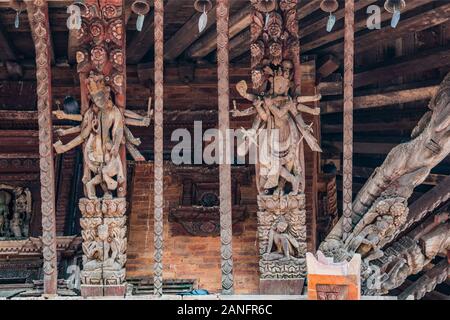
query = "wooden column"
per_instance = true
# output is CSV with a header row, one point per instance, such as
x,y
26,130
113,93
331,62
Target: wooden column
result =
x,y
226,250
348,116
40,28
158,152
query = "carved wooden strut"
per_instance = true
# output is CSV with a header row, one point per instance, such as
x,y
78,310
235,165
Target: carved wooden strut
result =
x,y
38,17
347,176
226,250
159,138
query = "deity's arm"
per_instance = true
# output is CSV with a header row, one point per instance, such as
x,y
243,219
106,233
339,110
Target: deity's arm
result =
x,y
261,112
65,132
86,127
242,113
130,138
134,119
303,99
61,115
304,108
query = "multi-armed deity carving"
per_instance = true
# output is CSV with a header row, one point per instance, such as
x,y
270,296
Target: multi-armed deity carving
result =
x,y
380,210
280,131
104,135
15,212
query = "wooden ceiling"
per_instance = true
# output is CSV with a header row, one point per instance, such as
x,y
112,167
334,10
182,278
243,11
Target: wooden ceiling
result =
x,y
396,73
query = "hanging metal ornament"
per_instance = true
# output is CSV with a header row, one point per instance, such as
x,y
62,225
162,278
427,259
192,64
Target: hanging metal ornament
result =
x,y
141,8
17,20
395,7
19,6
202,6
330,6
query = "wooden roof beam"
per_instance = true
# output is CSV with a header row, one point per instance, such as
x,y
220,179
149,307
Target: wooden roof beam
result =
x,y
187,35
207,44
399,67
143,41
423,20
8,56
382,99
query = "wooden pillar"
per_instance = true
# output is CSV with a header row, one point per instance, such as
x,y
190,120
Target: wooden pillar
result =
x,y
226,250
158,152
40,28
349,49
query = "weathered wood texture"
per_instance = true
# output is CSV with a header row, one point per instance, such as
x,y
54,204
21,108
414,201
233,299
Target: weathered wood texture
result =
x,y
38,16
159,147
226,235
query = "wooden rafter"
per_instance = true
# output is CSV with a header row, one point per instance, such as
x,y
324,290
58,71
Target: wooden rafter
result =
x,y
186,35
423,20
142,41
360,24
207,44
420,62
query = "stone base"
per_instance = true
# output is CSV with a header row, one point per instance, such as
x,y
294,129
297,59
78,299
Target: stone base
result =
x,y
281,286
103,290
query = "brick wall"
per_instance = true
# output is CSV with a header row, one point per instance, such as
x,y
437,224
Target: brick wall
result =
x,y
187,257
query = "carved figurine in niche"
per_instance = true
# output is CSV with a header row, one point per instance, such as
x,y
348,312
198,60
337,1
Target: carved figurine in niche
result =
x,y
5,200
103,130
15,211
285,244
280,128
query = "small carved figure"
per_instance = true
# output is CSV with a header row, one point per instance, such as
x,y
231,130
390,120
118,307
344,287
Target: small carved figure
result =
x,y
14,223
286,246
5,200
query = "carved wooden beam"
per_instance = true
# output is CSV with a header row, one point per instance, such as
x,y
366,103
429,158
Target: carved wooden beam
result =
x,y
348,117
226,250
159,148
207,44
38,17
186,35
381,99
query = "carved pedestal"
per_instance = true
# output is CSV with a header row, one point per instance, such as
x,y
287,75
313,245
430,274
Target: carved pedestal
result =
x,y
282,243
104,246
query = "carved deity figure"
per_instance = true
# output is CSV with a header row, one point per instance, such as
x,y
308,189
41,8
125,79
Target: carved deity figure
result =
x,y
280,129
5,200
286,246
102,131
15,211
405,167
